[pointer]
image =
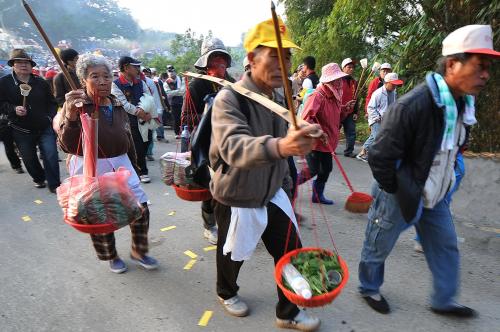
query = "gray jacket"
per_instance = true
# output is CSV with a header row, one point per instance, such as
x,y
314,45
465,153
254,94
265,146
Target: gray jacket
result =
x,y
254,170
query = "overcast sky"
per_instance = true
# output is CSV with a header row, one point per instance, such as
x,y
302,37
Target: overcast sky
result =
x,y
228,19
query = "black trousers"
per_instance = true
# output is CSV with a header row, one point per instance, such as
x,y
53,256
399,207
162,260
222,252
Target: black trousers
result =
x,y
176,112
207,213
10,150
274,238
320,164
141,148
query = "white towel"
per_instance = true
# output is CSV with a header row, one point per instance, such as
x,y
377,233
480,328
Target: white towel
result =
x,y
247,226
147,103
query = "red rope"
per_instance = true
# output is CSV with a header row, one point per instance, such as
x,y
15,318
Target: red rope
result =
x,y
343,172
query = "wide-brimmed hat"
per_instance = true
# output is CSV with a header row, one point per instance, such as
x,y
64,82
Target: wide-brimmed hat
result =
x,y
208,47
393,78
331,72
20,54
474,38
263,35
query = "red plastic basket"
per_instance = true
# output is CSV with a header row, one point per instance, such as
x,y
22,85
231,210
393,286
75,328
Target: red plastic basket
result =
x,y
193,195
92,229
315,301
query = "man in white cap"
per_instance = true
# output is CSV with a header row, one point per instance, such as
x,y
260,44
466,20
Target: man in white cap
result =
x,y
381,99
413,160
377,83
349,113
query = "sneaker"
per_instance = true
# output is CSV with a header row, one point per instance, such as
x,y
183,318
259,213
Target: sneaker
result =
x,y
350,155
147,262
362,157
145,179
19,170
377,303
150,157
211,234
40,184
456,310
302,322
234,306
117,265
418,247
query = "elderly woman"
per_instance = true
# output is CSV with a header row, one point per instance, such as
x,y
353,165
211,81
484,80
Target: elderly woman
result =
x,y
323,107
116,149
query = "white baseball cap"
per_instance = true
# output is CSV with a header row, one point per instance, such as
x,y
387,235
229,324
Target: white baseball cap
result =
x,y
393,78
470,39
345,62
386,66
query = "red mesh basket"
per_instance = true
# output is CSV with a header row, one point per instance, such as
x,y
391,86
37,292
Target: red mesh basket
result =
x,y
193,195
315,301
93,229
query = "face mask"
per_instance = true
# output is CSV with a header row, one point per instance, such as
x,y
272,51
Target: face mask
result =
x,y
336,88
217,67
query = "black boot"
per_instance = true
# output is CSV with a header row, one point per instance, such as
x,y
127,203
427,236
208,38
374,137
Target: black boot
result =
x,y
317,196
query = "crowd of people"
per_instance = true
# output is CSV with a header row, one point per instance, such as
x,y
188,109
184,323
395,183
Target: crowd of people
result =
x,y
412,150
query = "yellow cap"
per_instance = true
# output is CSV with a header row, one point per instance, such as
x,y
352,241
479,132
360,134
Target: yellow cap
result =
x,y
263,34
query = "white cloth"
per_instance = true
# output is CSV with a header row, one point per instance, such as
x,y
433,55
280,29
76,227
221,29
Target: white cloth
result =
x,y
148,105
247,226
156,94
307,84
75,166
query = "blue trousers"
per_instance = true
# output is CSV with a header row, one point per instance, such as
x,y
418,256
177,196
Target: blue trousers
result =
x,y
374,128
438,238
350,133
46,141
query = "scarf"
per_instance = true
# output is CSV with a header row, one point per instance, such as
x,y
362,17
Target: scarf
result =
x,y
451,112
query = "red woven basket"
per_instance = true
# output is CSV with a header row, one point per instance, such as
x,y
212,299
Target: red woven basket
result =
x,y
193,195
92,229
315,301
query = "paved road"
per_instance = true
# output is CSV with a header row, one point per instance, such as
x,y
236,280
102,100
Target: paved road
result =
x,y
50,279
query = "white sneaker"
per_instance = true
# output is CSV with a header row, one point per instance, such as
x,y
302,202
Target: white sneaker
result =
x,y
302,322
145,179
235,306
211,234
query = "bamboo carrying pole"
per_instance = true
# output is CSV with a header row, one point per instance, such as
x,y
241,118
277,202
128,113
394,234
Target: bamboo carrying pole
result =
x,y
284,76
49,44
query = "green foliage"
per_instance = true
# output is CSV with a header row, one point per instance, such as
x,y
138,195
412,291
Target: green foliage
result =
x,y
407,34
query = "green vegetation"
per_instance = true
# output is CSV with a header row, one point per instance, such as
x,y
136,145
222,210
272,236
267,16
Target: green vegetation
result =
x,y
407,34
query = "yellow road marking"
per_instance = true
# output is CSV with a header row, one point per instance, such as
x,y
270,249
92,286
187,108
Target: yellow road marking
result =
x,y
191,254
26,218
190,264
172,213
38,201
205,318
164,229
210,248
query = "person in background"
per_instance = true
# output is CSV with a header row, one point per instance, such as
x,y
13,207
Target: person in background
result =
x,y
61,85
323,107
49,77
31,124
153,89
311,79
175,89
349,113
214,61
381,99
128,89
376,83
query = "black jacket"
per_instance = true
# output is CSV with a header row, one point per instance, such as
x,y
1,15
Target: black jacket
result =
x,y
408,140
40,103
62,87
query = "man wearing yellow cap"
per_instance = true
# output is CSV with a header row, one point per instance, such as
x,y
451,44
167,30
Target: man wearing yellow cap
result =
x,y
251,145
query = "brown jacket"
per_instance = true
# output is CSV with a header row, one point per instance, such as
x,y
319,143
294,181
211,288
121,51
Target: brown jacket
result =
x,y
254,171
113,139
